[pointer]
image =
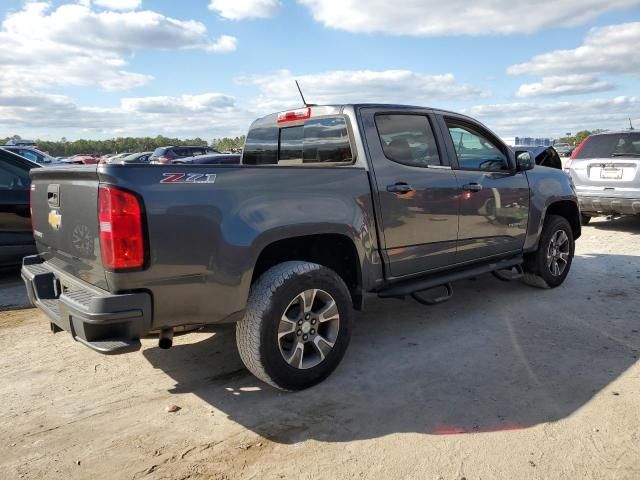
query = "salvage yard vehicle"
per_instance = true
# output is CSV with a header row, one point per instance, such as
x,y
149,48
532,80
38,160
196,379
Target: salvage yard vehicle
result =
x,y
605,169
16,237
330,204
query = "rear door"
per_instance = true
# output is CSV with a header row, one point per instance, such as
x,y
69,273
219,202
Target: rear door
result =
x,y
608,164
417,190
494,204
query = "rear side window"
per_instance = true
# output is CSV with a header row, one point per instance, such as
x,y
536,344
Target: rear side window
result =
x,y
408,139
13,177
158,152
319,140
611,145
29,155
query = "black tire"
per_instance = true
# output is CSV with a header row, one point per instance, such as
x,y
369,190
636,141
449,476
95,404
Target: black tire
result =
x,y
585,219
270,298
537,271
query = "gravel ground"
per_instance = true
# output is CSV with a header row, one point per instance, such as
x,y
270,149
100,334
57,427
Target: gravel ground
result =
x,y
504,382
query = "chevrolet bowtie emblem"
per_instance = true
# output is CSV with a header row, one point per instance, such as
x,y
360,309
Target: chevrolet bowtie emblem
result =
x,y
55,220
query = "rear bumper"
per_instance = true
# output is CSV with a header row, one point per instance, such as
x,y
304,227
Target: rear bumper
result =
x,y
102,321
594,204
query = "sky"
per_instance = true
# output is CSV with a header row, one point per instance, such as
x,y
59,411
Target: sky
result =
x,y
108,68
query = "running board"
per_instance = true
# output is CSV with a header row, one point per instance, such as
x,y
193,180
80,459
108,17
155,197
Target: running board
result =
x,y
437,279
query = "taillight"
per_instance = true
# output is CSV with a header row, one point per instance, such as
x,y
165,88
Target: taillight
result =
x,y
120,220
575,153
294,115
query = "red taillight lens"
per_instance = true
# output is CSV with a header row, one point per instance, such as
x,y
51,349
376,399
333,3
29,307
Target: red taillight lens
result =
x,y
575,153
121,238
294,115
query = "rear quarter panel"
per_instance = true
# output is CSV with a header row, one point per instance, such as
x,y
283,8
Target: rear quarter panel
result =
x,y
204,239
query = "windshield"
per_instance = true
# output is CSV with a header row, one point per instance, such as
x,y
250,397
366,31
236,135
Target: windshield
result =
x,y
611,145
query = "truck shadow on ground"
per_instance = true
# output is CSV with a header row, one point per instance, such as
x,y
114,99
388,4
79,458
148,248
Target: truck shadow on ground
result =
x,y
629,224
500,356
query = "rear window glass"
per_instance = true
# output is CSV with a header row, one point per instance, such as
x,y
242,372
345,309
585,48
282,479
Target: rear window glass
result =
x,y
319,140
611,145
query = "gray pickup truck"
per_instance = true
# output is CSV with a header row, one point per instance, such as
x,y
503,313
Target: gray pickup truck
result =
x,y
330,204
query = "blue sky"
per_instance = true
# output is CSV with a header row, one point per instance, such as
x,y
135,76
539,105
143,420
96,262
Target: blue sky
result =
x,y
104,68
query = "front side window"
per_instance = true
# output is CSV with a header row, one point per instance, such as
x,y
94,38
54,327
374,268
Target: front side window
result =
x,y
408,139
475,151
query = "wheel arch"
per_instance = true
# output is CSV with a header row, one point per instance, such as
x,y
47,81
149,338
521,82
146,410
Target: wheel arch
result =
x,y
569,210
332,250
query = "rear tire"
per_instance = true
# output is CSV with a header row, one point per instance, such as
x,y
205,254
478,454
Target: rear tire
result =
x,y
296,328
550,264
585,219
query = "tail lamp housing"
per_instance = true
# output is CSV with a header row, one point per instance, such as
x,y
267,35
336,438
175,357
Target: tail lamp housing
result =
x,y
122,239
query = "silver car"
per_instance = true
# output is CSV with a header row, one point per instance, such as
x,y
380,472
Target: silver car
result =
x,y
605,169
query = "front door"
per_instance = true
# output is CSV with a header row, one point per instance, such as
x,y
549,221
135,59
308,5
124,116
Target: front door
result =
x,y
417,191
494,204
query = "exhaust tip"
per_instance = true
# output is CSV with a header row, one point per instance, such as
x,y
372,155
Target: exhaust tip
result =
x,y
165,341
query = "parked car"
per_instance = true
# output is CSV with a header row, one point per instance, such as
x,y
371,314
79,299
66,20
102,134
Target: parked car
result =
x,y
210,159
32,154
16,238
169,154
23,142
563,149
544,156
142,157
115,158
82,158
605,169
357,200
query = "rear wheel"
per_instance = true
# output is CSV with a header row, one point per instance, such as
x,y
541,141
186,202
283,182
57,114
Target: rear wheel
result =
x,y
296,327
550,264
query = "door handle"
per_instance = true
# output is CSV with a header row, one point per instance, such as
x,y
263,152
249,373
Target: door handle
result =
x,y
472,187
400,188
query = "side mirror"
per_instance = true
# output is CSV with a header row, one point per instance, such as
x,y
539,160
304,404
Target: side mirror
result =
x,y
524,161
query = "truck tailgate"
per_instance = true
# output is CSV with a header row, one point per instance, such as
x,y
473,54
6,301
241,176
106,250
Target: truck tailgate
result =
x,y
65,220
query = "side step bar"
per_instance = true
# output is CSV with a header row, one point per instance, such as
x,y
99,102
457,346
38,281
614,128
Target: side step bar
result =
x,y
437,279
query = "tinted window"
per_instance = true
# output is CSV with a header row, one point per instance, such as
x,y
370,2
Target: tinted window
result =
x,y
13,177
611,145
261,146
408,139
326,140
475,151
291,140
158,152
319,140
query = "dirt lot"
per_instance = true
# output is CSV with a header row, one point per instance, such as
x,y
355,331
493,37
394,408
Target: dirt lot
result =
x,y
504,382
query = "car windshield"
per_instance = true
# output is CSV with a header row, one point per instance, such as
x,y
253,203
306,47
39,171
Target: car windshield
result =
x,y
611,145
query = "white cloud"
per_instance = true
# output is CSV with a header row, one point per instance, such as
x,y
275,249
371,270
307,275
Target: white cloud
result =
x,y
118,4
278,90
75,45
457,17
208,102
554,119
563,85
606,50
46,116
241,9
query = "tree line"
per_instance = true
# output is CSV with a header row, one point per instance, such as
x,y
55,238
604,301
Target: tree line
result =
x,y
65,148
577,139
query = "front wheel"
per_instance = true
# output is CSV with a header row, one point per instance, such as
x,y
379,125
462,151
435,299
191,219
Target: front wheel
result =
x,y
550,264
296,327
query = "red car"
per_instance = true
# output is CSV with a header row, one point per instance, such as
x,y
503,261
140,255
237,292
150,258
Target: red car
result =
x,y
82,158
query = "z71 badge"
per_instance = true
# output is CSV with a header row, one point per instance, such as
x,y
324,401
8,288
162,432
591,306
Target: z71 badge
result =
x,y
188,178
